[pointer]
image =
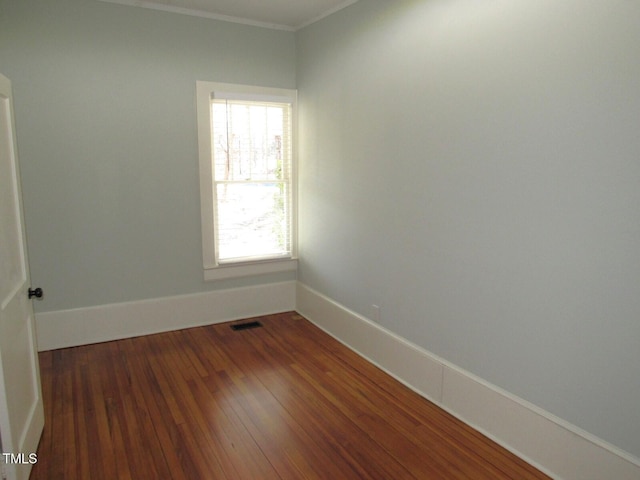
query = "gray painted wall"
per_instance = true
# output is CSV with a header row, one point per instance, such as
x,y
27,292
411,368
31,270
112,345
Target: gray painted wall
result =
x,y
105,118
473,168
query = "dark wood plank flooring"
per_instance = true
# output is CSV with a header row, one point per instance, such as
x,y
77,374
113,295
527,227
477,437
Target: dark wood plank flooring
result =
x,y
284,401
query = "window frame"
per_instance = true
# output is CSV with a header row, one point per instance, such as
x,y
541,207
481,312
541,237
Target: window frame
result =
x,y
214,270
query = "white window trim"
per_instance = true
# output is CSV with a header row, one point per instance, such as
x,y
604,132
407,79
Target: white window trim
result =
x,y
212,269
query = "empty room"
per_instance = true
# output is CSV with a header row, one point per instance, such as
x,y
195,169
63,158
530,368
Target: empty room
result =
x,y
320,239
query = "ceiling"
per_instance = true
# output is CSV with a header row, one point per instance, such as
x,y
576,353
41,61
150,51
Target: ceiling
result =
x,y
279,14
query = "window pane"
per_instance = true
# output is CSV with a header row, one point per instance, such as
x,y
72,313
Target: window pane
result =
x,y
251,141
252,220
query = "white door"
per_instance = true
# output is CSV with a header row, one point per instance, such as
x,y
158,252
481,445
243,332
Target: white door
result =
x,y
21,411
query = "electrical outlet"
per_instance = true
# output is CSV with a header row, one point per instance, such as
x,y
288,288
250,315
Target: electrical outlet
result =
x,y
375,313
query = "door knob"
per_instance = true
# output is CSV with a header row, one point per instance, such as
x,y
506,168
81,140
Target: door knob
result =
x,y
35,292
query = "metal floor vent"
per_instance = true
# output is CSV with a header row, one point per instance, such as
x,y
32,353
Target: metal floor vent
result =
x,y
245,326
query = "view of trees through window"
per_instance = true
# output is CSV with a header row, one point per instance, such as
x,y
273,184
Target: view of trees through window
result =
x,y
252,164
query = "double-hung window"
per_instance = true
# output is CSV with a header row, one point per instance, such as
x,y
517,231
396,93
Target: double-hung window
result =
x,y
247,172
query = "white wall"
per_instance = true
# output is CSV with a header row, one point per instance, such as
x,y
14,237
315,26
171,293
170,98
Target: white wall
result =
x,y
105,115
473,168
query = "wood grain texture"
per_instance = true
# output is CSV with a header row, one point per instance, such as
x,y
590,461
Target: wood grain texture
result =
x,y
283,401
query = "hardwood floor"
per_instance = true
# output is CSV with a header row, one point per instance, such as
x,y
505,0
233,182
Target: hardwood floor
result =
x,y
283,401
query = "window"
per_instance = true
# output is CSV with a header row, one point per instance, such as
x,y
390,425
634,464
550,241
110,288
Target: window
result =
x,y
247,172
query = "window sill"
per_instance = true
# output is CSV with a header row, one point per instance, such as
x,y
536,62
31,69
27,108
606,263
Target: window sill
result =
x,y
223,272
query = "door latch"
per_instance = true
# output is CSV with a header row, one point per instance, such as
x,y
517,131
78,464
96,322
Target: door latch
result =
x,y
35,292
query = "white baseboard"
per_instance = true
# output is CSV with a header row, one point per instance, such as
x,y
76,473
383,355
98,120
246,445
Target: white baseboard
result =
x,y
558,448
81,326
